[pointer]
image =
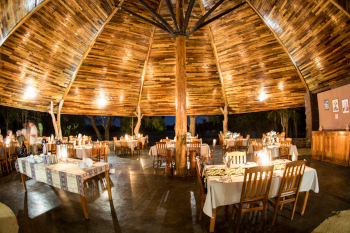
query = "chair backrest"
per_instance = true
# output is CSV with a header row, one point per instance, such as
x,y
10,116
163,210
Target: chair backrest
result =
x,y
256,183
65,139
196,146
238,157
70,150
166,140
121,138
123,144
199,176
103,148
95,152
285,143
196,140
161,148
248,137
283,134
3,151
115,139
259,144
12,149
289,140
292,177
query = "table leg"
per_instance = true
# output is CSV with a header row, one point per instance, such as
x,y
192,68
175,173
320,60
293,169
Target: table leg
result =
x,y
304,203
24,182
83,203
132,153
108,185
212,220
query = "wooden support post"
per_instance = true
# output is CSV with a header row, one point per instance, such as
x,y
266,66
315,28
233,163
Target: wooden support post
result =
x,y
57,124
139,117
180,89
311,112
193,125
224,111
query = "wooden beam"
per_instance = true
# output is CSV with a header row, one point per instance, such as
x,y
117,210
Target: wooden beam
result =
x,y
160,18
147,58
188,15
88,50
219,16
281,43
193,29
180,94
218,66
225,121
193,125
43,3
147,21
340,7
172,15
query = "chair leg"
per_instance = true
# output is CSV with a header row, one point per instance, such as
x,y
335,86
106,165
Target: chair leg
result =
x,y
10,166
202,206
282,204
295,204
7,167
262,215
153,160
275,210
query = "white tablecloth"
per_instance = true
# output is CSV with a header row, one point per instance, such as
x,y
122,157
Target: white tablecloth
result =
x,y
131,144
82,152
205,150
221,194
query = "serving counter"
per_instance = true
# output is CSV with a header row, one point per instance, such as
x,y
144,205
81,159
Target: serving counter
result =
x,y
331,146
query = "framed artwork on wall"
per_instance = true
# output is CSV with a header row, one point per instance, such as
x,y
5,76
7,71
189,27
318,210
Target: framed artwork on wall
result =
x,y
326,105
345,106
335,105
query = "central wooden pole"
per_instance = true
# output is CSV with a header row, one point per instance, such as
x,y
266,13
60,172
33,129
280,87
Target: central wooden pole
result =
x,y
180,89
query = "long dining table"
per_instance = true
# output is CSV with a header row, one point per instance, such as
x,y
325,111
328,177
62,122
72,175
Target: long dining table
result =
x,y
229,192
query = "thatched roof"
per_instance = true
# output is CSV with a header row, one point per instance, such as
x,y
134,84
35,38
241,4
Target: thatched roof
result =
x,y
102,61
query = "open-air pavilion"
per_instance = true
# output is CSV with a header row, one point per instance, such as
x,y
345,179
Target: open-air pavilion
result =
x,y
174,58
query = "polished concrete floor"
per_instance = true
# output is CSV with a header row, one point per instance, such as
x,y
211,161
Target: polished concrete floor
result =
x,y
146,200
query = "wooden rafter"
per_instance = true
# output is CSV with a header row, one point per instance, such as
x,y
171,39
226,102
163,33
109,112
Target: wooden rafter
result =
x,y
147,20
195,27
88,50
155,14
218,66
281,43
24,19
172,15
188,15
147,59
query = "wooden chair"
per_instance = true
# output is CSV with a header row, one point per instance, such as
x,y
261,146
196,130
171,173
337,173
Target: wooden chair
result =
x,y
95,152
290,186
284,150
26,143
124,147
166,140
161,152
12,153
196,140
221,141
280,139
283,134
289,140
248,137
65,139
196,146
53,147
239,143
115,139
3,156
212,154
70,150
201,187
139,146
103,152
245,148
71,137
238,157
255,190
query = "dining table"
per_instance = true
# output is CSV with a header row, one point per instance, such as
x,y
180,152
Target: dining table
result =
x,y
84,151
222,193
275,149
130,144
64,175
205,150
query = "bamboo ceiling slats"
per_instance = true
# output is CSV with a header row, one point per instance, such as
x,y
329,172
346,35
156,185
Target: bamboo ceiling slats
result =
x,y
316,33
42,54
254,65
109,80
12,12
65,50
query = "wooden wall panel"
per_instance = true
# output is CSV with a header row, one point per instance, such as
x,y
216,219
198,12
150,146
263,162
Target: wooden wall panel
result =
x,y
108,82
258,74
316,33
12,12
42,54
204,95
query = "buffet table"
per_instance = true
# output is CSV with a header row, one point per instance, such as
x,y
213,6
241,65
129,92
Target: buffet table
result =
x,y
64,175
228,193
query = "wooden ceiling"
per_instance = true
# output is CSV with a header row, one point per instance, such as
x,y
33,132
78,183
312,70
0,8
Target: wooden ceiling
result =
x,y
103,61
